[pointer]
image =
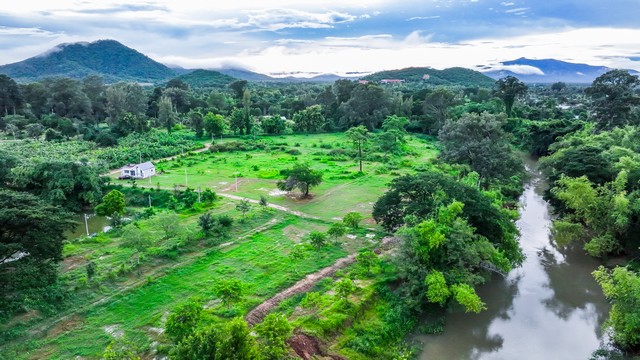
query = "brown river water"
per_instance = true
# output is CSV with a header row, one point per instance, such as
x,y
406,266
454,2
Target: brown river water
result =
x,y
550,308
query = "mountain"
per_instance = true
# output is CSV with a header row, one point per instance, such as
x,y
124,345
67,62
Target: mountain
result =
x,y
206,79
547,71
107,58
451,76
244,74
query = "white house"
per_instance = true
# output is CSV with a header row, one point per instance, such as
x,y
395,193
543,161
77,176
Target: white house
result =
x,y
138,171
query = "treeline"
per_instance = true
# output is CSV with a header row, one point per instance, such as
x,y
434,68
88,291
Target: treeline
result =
x,y
62,108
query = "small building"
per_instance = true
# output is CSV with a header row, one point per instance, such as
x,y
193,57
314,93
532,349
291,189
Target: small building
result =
x,y
138,171
391,81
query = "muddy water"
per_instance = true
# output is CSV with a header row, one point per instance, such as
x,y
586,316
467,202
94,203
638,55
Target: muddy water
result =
x,y
550,308
97,224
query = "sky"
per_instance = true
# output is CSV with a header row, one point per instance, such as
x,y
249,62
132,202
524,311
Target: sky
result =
x,y
333,36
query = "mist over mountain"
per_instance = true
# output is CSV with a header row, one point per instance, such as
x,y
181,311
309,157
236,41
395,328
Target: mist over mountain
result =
x,y
546,71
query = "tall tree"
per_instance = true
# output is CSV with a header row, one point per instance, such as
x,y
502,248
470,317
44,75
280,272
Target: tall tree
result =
x,y
358,136
509,89
31,236
166,115
613,97
480,142
214,124
436,107
309,120
11,99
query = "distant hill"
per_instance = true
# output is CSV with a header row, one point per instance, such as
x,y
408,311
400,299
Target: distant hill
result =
x,y
450,76
198,79
547,71
107,58
244,74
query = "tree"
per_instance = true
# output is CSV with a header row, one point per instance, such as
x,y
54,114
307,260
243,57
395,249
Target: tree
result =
x,y
273,333
274,124
480,142
509,89
317,239
352,219
31,236
264,202
298,252
111,203
213,342
166,115
183,319
189,197
229,291
443,258
207,223
420,196
622,288
238,87
436,107
367,259
168,222
34,130
394,132
337,230
197,122
137,239
613,97
599,215
302,177
344,287
11,99
214,124
367,106
358,136
309,120
244,206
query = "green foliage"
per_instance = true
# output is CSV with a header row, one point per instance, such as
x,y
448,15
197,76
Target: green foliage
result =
x,y
480,142
229,291
337,230
358,136
317,239
352,219
168,222
244,206
450,76
456,256
206,79
214,124
302,177
622,288
183,320
344,287
309,120
122,349
613,97
599,215
111,203
509,89
31,239
233,341
206,223
273,333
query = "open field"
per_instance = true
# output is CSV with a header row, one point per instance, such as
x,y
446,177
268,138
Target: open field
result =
x,y
125,300
257,171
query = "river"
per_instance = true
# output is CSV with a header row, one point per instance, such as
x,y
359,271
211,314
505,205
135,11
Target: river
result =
x,y
550,308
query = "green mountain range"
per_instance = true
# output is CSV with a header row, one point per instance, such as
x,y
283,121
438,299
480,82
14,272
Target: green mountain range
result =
x,y
107,58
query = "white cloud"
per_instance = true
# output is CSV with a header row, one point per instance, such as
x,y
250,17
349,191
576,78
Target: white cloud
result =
x,y
31,31
516,10
519,69
507,3
423,17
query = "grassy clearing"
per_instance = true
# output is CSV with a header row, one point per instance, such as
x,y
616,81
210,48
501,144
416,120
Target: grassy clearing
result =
x,y
343,188
260,261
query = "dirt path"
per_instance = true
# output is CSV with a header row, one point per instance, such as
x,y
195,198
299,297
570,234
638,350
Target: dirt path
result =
x,y
205,148
256,315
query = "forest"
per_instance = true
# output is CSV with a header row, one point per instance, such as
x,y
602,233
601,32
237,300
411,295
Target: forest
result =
x,y
291,220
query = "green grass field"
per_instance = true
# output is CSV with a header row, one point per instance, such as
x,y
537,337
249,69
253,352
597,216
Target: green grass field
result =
x,y
134,303
343,188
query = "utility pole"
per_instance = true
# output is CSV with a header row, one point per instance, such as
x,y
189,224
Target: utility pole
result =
x,y
86,224
149,200
186,180
198,192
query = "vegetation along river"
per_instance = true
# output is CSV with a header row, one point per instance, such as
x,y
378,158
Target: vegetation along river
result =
x,y
550,308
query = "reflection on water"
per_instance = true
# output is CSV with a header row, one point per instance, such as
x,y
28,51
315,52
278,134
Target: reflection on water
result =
x,y
550,308
95,223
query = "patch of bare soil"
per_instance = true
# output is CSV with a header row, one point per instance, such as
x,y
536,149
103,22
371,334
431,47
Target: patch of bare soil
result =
x,y
308,347
22,318
65,326
73,262
256,315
